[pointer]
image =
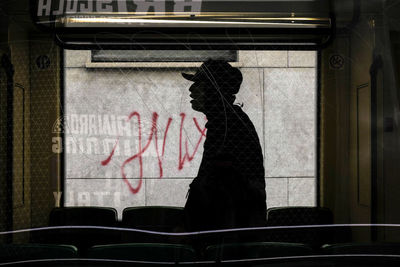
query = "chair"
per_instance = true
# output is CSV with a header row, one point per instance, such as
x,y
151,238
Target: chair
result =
x,y
152,218
363,254
255,250
299,216
26,252
362,248
93,216
144,252
82,238
156,218
291,216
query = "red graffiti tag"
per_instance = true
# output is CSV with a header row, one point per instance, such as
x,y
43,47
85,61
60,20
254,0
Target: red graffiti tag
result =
x,y
107,160
187,156
153,136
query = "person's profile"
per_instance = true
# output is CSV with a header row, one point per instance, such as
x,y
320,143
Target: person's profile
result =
x,y
229,190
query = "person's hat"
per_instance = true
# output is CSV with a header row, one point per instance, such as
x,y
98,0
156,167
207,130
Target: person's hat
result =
x,y
218,73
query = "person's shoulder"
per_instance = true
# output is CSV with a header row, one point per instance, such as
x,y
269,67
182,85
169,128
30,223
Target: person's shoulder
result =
x,y
238,109
243,121
241,114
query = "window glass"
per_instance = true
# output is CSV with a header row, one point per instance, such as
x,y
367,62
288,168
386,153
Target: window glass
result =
x,y
104,166
162,56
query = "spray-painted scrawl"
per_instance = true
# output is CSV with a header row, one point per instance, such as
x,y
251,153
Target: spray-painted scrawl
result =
x,y
130,138
184,154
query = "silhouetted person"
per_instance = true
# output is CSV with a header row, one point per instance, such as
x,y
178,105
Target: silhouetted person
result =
x,y
229,190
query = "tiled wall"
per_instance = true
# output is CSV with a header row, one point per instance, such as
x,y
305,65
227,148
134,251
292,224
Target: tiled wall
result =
x,y
289,90
278,93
